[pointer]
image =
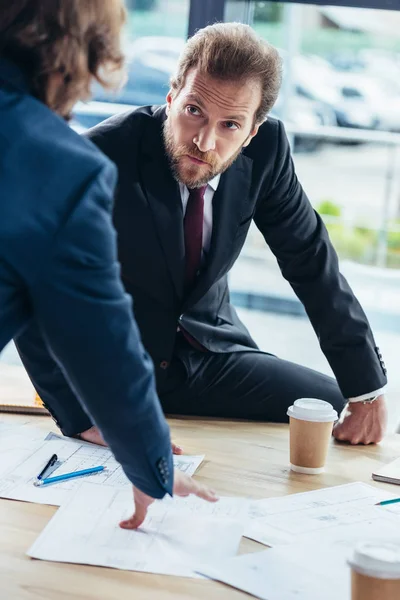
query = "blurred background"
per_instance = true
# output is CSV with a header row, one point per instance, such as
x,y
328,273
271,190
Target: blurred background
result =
x,y
340,102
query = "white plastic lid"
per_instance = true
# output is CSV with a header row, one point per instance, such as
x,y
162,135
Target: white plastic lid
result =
x,y
311,409
377,559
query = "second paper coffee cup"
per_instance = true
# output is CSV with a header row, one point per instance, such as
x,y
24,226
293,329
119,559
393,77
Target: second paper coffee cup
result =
x,y
375,571
311,422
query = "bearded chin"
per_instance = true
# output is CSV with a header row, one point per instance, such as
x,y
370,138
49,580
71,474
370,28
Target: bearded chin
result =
x,y
191,176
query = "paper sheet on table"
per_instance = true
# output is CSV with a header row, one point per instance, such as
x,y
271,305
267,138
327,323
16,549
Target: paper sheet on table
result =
x,y
186,463
16,442
289,519
315,569
24,464
175,537
276,574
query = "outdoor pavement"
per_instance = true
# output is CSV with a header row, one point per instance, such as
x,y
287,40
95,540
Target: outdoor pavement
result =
x,y
354,177
293,338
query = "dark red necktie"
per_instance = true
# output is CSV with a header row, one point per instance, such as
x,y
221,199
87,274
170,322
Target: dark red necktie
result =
x,y
193,230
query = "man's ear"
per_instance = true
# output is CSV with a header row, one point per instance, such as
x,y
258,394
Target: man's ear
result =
x,y
169,99
252,134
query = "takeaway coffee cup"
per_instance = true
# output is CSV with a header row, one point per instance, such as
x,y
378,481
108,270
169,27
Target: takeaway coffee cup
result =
x,y
311,424
375,571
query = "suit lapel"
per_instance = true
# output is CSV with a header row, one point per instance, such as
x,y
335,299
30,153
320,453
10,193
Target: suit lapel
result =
x,y
163,195
230,202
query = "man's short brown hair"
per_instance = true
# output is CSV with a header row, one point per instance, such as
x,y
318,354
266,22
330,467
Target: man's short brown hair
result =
x,y
78,40
233,52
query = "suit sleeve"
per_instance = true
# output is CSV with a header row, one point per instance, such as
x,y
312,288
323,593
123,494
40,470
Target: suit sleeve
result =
x,y
308,261
50,382
86,320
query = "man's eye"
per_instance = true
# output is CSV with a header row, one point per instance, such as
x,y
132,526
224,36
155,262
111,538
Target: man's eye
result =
x,y
231,125
192,110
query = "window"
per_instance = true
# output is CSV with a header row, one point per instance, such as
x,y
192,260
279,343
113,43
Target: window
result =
x,y
340,102
154,37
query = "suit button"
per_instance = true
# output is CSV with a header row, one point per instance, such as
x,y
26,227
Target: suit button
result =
x,y
164,364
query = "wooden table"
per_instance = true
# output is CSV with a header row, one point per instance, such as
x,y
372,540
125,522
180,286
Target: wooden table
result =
x,y
242,459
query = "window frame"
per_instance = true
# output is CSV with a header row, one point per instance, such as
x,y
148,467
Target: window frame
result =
x,y
205,12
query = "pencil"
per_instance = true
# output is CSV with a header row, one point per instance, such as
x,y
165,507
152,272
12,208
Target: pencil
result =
x,y
70,475
386,502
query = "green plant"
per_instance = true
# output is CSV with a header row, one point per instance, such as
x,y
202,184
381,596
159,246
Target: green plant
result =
x,y
329,208
268,12
351,244
393,239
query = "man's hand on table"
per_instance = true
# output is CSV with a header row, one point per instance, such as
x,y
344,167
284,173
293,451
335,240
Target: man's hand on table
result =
x,y
183,486
94,436
361,423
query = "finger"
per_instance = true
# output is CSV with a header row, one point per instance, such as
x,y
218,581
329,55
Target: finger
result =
x,y
132,523
204,492
137,519
176,449
355,441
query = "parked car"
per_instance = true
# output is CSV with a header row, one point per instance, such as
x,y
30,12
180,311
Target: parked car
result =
x,y
317,80
303,114
360,90
151,61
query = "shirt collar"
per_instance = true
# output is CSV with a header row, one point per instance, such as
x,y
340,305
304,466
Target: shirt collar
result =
x,y
214,182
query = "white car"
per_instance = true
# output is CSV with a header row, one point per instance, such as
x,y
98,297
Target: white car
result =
x,y
360,90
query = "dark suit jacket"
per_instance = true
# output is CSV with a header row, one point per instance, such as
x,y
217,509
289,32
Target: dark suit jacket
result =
x,y
60,290
261,186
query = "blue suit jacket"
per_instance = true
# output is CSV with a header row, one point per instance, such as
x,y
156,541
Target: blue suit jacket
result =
x,y
59,275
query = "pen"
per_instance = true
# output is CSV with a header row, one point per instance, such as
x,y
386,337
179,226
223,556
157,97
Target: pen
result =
x,y
70,475
386,502
49,464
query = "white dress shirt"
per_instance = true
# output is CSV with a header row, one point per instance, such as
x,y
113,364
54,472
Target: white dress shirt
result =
x,y
212,187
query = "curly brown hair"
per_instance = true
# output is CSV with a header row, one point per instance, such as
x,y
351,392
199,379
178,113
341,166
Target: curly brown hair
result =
x,y
233,52
71,42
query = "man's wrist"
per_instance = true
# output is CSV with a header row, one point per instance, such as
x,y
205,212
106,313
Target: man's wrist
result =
x,y
369,400
369,396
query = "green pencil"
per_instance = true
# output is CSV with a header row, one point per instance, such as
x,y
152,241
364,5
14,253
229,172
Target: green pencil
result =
x,y
385,502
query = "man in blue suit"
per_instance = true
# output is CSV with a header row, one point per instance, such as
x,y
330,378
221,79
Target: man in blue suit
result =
x,y
58,266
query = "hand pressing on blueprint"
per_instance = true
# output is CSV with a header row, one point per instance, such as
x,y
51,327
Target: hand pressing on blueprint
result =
x,y
183,486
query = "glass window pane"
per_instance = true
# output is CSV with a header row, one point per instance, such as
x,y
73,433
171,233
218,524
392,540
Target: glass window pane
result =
x,y
154,37
340,101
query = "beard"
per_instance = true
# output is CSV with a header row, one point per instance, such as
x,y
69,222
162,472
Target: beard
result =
x,y
193,176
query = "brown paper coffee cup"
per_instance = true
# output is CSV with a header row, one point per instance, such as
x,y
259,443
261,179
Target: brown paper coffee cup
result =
x,y
311,422
375,571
